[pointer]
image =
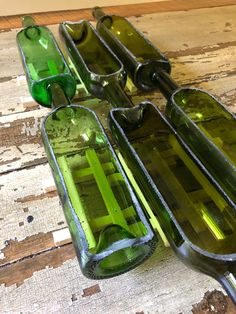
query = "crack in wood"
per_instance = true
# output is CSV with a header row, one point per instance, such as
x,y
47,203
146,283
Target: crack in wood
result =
x,y
27,166
5,162
32,198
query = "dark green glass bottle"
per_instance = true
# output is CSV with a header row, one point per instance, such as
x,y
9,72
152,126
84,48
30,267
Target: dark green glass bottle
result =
x,y
46,65
140,58
102,73
110,231
197,219
205,125
209,130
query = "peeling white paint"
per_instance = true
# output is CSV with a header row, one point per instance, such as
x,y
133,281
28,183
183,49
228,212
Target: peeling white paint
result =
x,y
61,235
31,130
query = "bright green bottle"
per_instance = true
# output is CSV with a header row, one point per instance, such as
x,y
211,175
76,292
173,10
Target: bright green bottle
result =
x,y
46,65
110,231
111,234
195,215
205,125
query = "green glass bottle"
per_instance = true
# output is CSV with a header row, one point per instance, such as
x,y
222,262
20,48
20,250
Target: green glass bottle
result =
x,y
204,123
46,65
197,219
109,229
209,130
102,73
110,232
139,56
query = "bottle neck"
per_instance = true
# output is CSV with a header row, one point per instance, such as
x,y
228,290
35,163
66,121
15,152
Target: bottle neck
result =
x,y
58,96
98,13
116,96
28,21
163,81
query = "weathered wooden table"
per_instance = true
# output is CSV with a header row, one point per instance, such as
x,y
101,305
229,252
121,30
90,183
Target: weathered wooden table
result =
x,y
38,269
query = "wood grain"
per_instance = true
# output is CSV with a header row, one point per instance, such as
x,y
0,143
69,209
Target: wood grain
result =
x,y
9,22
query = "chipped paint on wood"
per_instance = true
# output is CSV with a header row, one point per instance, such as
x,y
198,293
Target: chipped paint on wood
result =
x,y
31,198
61,236
20,139
151,287
17,273
18,250
87,292
28,185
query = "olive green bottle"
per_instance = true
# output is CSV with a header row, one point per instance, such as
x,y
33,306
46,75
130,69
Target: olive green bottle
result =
x,y
109,229
139,56
45,65
198,220
205,125
101,71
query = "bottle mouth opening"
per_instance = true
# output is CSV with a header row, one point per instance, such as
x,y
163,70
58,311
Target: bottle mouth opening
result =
x,y
122,261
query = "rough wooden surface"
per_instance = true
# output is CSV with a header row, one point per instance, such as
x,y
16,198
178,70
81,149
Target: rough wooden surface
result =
x,y
38,269
9,22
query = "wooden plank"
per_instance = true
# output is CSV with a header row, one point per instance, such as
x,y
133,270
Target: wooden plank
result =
x,y
205,55
20,135
152,287
21,143
9,22
33,205
26,7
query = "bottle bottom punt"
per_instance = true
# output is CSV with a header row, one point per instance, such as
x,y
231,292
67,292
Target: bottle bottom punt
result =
x,y
122,260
